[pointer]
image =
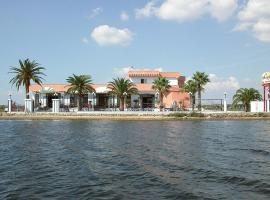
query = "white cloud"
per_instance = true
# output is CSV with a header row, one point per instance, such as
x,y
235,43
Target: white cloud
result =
x,y
85,40
95,12
255,17
124,16
187,10
106,35
222,84
223,9
123,72
147,11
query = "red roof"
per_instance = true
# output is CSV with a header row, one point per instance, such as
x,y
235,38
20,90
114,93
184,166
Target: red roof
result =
x,y
153,74
64,87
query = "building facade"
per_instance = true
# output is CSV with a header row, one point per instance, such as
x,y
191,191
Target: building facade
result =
x,y
266,91
101,99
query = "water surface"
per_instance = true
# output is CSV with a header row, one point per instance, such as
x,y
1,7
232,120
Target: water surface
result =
x,y
134,160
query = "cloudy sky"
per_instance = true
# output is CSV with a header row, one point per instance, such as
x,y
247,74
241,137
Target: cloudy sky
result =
x,y
228,39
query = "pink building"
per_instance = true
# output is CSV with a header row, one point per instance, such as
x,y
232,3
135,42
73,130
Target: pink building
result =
x,y
147,98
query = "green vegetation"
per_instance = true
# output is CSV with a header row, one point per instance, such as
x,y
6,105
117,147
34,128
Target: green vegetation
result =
x,y
162,86
2,108
245,96
200,79
80,85
27,72
183,115
191,87
122,87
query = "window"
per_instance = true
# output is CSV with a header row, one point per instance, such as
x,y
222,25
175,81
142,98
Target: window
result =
x,y
143,80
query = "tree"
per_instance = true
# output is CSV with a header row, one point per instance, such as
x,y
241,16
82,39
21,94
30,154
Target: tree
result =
x,y
191,87
122,87
162,86
80,85
245,96
201,79
27,72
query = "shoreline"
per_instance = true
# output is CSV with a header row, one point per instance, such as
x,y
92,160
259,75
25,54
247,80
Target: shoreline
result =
x,y
176,116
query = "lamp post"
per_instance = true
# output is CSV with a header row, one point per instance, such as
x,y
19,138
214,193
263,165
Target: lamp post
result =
x,y
9,103
125,99
225,102
94,98
156,98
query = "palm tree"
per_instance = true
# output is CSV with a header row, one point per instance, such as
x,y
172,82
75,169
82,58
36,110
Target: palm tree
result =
x,y
201,79
27,72
80,85
191,87
162,86
245,96
122,87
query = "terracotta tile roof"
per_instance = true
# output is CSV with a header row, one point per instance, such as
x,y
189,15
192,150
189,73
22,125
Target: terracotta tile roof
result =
x,y
58,87
153,74
170,74
64,87
143,73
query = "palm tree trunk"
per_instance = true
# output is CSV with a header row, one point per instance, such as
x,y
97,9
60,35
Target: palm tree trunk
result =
x,y
193,102
200,100
122,101
79,103
161,102
27,89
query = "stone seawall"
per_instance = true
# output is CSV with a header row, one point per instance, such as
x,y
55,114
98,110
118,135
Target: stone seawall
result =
x,y
136,116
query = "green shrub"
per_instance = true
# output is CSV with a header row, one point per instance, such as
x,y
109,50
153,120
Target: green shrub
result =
x,y
178,115
193,114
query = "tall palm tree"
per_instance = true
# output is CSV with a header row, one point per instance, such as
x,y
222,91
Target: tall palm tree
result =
x,y
27,72
201,79
162,86
122,87
245,96
80,85
191,87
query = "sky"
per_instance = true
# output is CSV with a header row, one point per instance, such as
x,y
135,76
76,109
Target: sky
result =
x,y
227,39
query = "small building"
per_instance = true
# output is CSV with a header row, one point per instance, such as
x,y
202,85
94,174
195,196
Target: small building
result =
x,y
147,98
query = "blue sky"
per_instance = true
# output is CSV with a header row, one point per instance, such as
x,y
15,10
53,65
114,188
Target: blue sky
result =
x,y
230,41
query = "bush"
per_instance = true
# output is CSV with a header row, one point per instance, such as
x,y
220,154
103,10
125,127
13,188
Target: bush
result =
x,y
193,114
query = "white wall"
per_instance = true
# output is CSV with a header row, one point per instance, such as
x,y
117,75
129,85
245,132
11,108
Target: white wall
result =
x,y
150,80
173,81
256,106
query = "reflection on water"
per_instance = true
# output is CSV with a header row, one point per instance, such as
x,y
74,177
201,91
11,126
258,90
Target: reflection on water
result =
x,y
135,160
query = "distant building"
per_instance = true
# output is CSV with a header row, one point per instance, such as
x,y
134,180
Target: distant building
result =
x,y
101,99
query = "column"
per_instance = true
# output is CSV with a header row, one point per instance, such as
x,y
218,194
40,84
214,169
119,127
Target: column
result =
x,y
225,102
264,100
9,105
28,105
55,105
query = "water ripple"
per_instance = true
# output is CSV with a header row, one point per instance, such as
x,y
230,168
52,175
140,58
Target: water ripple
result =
x,y
134,160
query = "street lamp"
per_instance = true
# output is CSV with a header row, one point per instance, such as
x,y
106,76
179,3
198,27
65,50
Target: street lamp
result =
x,y
225,102
125,98
9,103
93,97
